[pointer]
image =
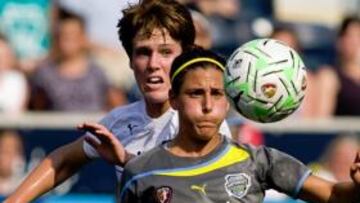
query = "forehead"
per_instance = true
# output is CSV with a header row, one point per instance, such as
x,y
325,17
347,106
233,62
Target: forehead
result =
x,y
203,77
156,38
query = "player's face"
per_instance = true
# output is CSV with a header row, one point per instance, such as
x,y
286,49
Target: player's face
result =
x,y
71,39
201,103
151,62
350,42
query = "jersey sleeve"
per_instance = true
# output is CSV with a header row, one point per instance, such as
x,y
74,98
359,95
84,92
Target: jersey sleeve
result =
x,y
88,149
281,171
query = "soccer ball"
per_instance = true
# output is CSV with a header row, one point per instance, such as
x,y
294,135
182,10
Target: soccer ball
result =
x,y
265,80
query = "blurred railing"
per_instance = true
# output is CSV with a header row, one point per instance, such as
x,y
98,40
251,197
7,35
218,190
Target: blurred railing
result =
x,y
70,120
47,120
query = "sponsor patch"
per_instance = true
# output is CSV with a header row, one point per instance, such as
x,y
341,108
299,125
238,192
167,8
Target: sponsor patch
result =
x,y
164,194
237,185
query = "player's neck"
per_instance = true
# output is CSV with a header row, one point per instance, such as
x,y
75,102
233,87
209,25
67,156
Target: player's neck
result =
x,y
185,146
156,110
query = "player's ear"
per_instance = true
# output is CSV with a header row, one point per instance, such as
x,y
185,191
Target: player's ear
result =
x,y
172,99
227,105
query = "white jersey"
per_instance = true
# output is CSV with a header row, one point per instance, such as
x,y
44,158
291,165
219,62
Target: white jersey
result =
x,y
138,132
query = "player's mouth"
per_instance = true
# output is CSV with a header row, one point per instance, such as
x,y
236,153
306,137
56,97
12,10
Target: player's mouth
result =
x,y
206,125
154,82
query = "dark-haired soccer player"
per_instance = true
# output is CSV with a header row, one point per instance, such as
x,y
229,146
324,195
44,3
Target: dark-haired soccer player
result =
x,y
199,165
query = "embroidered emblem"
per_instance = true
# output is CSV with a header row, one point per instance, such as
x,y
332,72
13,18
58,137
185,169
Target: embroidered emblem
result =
x,y
131,127
164,194
237,185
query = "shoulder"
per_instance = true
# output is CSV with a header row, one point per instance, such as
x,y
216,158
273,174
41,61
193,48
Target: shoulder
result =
x,y
261,153
15,77
123,113
328,75
144,162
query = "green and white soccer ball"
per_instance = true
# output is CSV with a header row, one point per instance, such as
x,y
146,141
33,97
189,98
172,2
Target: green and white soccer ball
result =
x,y
265,80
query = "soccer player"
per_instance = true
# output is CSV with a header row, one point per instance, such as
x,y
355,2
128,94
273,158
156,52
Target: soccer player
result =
x,y
200,165
153,33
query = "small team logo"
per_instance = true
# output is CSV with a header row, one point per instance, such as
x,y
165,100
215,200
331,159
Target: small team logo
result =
x,y
237,185
131,128
164,194
269,90
199,188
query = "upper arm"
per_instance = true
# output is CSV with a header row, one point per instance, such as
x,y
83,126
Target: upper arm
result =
x,y
69,158
328,86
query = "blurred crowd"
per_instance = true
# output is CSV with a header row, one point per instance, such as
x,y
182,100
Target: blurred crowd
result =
x,y
59,55
64,55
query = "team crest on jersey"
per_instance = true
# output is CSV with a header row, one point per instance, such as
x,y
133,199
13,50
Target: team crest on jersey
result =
x,y
237,185
164,194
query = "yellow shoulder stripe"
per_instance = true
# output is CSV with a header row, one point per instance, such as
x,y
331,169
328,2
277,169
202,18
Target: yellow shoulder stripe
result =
x,y
233,155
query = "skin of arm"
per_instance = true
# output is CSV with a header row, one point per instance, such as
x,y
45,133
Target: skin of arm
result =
x,y
328,84
316,189
53,170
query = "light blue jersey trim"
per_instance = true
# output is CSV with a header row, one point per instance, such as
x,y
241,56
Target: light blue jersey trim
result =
x,y
142,175
301,183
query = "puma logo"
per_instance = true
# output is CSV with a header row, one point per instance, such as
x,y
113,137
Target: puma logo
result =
x,y
199,188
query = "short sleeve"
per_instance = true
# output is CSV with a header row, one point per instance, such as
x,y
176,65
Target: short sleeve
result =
x,y
281,171
127,188
88,149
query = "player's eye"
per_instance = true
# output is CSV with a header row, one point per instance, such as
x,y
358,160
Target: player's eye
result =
x,y
166,52
217,92
142,52
195,93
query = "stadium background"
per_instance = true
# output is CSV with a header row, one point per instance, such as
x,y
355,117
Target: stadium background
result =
x,y
303,138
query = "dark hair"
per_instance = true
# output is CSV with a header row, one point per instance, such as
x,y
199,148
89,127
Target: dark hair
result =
x,y
346,23
141,19
179,67
289,29
65,15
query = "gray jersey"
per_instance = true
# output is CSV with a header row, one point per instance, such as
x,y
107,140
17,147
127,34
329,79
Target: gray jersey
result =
x,y
138,132
231,173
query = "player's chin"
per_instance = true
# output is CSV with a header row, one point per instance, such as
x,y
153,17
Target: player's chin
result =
x,y
157,97
206,134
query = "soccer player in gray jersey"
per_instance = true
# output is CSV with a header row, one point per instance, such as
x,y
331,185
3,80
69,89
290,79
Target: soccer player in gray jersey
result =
x,y
200,165
153,33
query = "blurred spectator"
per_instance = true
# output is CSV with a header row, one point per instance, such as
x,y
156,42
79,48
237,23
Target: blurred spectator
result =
x,y
13,84
288,35
203,36
27,26
12,161
337,159
340,85
70,80
244,131
224,16
101,19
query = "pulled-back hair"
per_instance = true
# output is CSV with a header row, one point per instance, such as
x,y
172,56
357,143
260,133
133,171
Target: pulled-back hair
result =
x,y
190,59
167,15
346,23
